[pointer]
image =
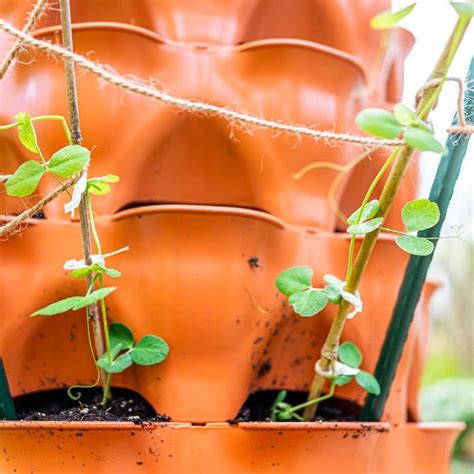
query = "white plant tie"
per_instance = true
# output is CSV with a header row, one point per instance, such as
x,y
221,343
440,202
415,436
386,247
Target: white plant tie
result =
x,y
353,299
95,259
76,194
340,369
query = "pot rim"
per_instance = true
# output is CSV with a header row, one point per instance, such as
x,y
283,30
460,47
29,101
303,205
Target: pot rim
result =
x,y
381,427
352,60
156,209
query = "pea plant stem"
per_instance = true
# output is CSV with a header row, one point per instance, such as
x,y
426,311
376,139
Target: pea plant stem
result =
x,y
103,307
402,157
76,138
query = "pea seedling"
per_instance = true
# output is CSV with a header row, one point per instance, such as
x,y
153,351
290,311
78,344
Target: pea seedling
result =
x,y
121,351
339,363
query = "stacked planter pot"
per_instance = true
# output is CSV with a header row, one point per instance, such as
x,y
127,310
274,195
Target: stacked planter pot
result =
x,y
212,214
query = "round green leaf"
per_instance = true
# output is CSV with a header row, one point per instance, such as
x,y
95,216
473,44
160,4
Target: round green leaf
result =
x,y
308,303
350,354
120,334
342,379
370,210
415,245
25,179
150,350
26,132
404,115
118,365
422,139
294,279
420,214
365,227
379,122
389,19
333,294
368,382
284,416
69,160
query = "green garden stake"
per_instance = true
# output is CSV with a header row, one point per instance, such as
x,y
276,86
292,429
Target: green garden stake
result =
x,y
415,274
7,407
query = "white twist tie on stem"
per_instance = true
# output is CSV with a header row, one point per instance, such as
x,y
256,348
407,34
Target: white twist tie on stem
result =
x,y
354,299
79,190
337,369
95,259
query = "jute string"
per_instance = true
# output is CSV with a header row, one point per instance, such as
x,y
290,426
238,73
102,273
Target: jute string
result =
x,y
31,20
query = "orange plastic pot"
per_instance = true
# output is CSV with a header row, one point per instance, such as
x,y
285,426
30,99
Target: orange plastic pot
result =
x,y
162,156
203,279
360,448
341,24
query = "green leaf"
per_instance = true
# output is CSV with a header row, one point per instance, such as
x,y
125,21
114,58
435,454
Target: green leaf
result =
x,y
342,379
415,245
464,8
69,160
100,186
150,350
74,302
284,416
368,382
389,19
118,365
308,303
294,279
371,209
93,297
112,272
420,214
59,307
25,179
280,397
350,354
404,115
379,122
97,268
365,227
120,334
422,139
26,132
283,405
333,294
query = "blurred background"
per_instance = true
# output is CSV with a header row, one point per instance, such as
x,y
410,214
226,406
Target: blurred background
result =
x,y
448,384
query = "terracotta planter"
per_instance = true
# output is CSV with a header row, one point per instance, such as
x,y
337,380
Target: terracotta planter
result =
x,y
189,277
361,448
163,156
339,24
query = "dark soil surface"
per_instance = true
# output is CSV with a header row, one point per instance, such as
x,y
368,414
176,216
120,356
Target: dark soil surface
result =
x,y
258,407
55,405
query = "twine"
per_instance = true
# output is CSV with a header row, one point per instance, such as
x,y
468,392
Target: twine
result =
x,y
18,220
186,104
31,20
